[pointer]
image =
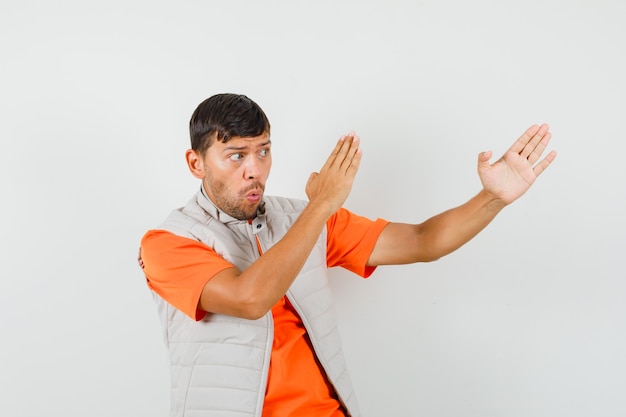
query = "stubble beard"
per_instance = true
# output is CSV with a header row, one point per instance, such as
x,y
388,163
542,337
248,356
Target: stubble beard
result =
x,y
234,207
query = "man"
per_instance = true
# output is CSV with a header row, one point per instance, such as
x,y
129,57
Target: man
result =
x,y
240,277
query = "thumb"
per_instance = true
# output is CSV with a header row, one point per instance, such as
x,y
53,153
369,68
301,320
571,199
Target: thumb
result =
x,y
309,184
483,160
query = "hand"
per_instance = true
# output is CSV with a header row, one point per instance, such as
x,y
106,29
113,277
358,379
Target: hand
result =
x,y
332,185
512,175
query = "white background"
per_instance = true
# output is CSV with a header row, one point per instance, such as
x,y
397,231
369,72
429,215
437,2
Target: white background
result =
x,y
528,319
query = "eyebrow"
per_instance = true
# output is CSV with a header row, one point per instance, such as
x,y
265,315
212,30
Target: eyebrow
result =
x,y
241,148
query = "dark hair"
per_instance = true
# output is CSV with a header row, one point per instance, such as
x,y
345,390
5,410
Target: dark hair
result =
x,y
229,115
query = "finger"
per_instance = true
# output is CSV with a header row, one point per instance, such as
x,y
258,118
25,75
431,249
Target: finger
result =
x,y
545,163
335,153
534,141
352,151
344,155
538,150
521,142
355,163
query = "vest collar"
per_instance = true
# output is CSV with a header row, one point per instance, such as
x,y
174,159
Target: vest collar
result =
x,y
258,222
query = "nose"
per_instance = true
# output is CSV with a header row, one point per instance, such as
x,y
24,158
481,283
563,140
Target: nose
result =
x,y
252,169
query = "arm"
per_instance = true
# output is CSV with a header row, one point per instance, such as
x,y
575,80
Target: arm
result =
x,y
253,292
503,182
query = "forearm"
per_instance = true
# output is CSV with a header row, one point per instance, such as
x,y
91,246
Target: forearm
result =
x,y
438,236
251,293
269,278
448,231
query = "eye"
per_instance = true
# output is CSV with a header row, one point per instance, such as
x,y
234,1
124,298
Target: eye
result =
x,y
264,152
236,157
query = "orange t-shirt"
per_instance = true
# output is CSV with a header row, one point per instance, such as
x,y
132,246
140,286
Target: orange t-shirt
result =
x,y
177,269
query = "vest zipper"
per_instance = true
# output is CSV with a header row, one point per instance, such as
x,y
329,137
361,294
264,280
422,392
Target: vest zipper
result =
x,y
256,237
258,245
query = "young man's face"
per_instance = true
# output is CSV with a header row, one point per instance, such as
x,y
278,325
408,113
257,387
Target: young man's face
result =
x,y
235,173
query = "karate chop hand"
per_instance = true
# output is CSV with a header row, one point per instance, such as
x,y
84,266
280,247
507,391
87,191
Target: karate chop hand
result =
x,y
331,186
512,175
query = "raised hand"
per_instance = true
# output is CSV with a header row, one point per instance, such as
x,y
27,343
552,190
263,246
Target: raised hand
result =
x,y
331,186
512,175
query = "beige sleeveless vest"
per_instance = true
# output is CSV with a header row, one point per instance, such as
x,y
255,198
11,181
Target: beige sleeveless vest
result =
x,y
219,365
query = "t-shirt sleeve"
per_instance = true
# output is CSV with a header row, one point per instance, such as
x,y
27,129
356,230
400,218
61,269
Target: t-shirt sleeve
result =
x,y
351,240
177,268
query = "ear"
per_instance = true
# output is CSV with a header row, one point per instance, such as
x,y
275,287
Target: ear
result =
x,y
195,162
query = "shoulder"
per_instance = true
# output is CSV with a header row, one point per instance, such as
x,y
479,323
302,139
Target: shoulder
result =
x,y
190,220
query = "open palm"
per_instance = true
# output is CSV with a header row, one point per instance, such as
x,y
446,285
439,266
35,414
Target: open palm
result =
x,y
512,175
